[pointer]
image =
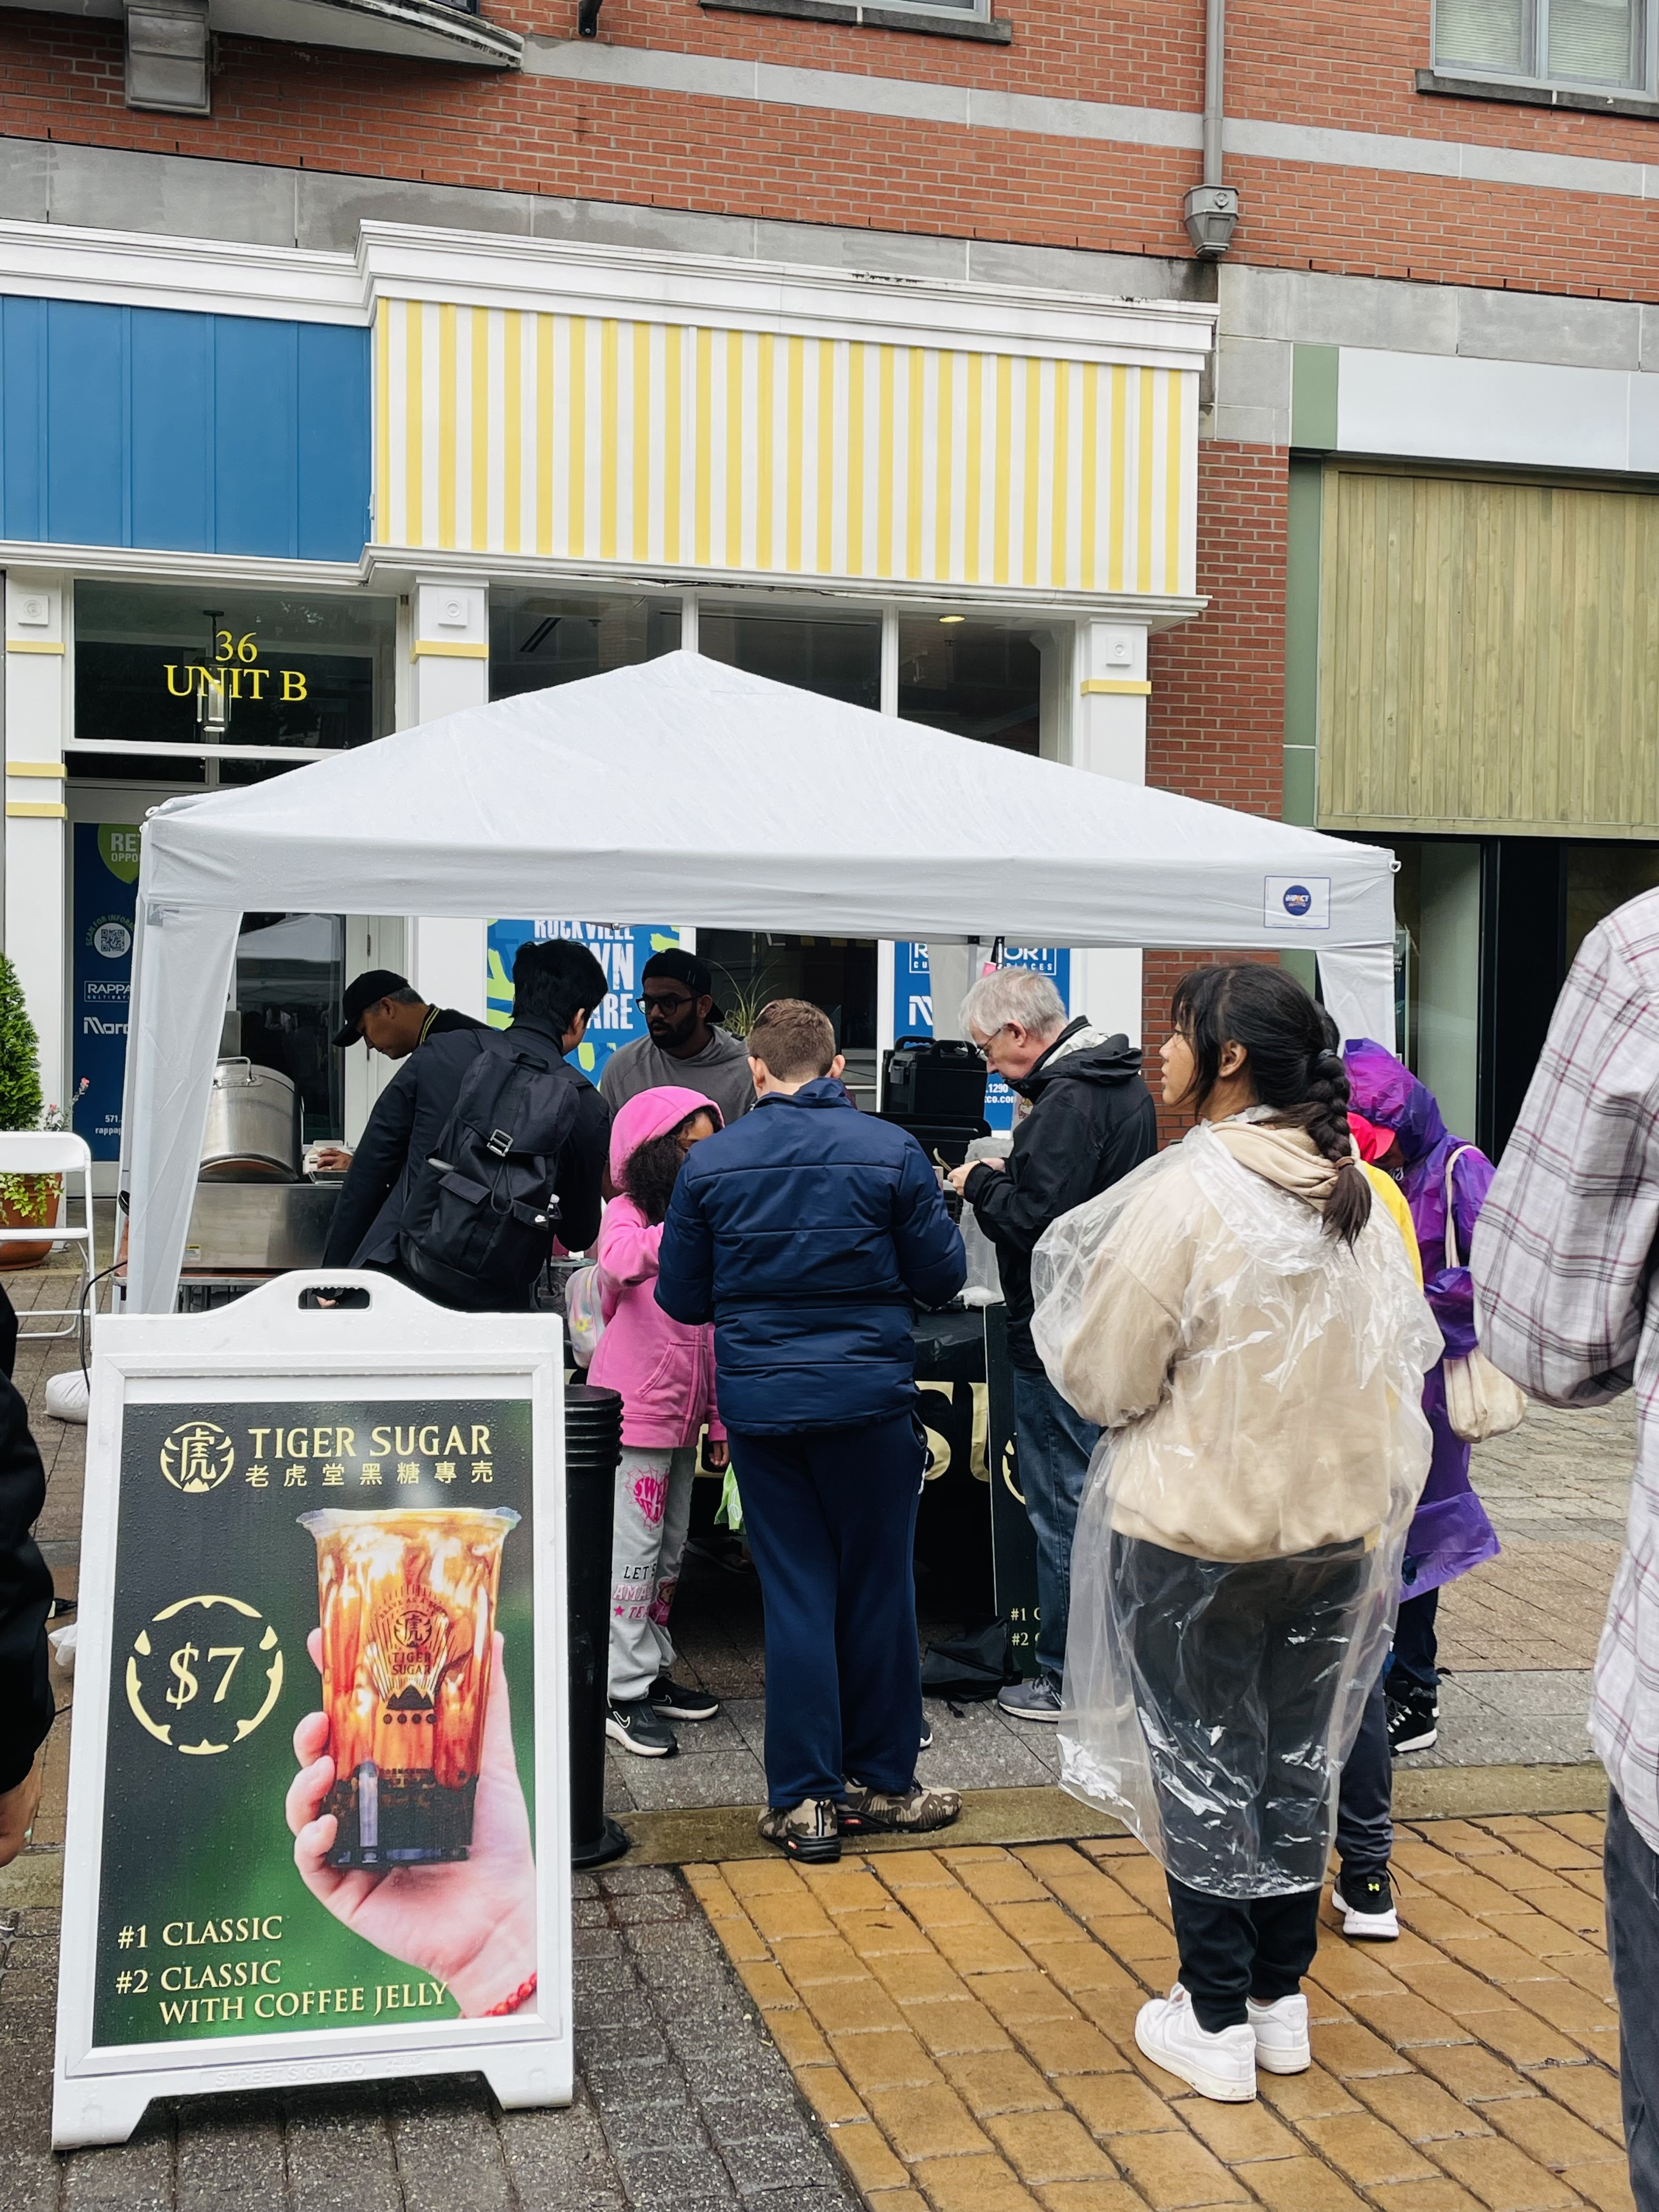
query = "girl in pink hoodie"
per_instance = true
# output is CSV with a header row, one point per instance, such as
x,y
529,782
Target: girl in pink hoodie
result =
x,y
664,1372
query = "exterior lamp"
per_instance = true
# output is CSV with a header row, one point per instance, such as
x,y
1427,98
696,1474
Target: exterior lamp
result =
x,y
1211,214
213,699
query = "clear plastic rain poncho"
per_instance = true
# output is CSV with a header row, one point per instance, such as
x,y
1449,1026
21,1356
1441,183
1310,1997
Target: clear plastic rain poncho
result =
x,y
1236,1560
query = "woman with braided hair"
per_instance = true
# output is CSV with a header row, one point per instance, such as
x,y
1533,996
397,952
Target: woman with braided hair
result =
x,y
1246,1327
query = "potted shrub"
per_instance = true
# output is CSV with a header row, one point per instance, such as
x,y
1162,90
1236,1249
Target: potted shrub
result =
x,y
24,1199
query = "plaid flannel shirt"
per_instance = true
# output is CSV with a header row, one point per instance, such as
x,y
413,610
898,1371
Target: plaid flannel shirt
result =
x,y
1562,1260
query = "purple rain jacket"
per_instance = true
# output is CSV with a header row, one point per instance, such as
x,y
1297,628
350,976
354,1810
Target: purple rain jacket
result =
x,y
1450,1532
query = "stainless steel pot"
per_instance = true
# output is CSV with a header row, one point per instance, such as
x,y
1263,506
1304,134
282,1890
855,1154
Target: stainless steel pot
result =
x,y
253,1132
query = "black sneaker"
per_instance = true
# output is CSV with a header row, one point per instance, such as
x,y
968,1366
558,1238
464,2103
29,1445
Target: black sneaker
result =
x,y
631,1723
926,1735
672,1701
1366,1903
1414,1722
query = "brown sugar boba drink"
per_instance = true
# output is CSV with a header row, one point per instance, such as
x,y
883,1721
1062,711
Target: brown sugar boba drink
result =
x,y
407,1604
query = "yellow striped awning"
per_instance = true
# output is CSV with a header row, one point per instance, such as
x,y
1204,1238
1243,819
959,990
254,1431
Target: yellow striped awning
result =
x,y
601,439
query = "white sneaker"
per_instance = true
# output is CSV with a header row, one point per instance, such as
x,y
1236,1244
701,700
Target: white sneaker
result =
x,y
1221,2065
1280,2030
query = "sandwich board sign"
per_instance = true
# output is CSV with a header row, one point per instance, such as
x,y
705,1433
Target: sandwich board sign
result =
x,y
319,1807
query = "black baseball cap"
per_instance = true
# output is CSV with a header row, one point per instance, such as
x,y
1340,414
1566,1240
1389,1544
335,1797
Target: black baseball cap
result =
x,y
360,995
685,968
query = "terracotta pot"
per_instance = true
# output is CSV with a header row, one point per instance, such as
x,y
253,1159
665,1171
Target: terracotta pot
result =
x,y
48,1206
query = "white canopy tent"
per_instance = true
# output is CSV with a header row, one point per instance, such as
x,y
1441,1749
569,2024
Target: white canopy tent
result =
x,y
686,789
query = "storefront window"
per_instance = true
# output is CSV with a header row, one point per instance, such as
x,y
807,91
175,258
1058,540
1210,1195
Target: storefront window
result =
x,y
540,638
290,972
976,680
751,967
836,655
1437,903
1601,877
224,686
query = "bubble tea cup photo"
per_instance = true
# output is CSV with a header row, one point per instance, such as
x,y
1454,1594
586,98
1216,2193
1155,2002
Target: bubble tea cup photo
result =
x,y
407,1606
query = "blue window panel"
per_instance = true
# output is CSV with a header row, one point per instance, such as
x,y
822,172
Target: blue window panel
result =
x,y
22,418
334,443
256,465
172,429
86,424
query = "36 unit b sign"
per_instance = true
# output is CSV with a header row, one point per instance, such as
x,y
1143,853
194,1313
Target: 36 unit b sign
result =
x,y
235,665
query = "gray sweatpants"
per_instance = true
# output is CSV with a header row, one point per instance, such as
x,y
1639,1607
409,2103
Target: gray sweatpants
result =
x,y
654,1509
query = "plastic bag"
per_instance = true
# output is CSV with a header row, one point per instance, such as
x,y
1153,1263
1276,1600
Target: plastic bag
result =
x,y
1236,1560
983,1285
583,1320
728,1514
68,1396
1482,1402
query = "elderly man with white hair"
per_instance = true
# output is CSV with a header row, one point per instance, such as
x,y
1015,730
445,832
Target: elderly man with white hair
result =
x,y
1085,1118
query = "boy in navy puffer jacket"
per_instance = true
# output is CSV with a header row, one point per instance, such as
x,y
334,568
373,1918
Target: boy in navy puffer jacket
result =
x,y
807,1232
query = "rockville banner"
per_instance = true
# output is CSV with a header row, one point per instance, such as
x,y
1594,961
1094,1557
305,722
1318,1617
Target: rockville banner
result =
x,y
318,1823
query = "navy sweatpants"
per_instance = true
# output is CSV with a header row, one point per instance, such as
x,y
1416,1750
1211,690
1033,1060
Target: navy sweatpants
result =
x,y
830,1519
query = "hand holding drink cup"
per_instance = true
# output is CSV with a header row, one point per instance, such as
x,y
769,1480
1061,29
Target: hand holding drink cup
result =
x,y
470,1923
408,1814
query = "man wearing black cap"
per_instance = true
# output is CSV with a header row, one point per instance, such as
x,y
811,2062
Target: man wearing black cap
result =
x,y
379,1008
556,986
390,1018
685,1044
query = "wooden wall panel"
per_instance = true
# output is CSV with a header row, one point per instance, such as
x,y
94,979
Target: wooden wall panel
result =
x,y
1489,656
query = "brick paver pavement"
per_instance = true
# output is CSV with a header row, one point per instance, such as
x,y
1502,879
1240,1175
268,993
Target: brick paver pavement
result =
x,y
963,2023
683,2104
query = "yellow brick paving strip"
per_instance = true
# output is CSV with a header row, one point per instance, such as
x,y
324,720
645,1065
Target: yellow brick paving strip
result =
x,y
961,2020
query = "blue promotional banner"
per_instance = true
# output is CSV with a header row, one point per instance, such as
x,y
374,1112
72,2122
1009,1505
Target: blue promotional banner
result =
x,y
621,951
106,903
912,1004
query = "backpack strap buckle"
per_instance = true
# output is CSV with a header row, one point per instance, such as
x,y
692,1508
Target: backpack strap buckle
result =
x,y
499,1142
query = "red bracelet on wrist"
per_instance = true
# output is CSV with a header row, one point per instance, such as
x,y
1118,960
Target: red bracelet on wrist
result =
x,y
521,1996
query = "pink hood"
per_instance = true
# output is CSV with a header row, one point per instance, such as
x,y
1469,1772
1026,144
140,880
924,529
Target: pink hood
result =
x,y
653,1113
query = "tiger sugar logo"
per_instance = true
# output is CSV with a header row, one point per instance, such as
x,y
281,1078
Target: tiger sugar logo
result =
x,y
409,1644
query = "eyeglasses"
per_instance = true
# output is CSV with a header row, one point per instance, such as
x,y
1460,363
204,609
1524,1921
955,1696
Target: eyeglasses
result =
x,y
664,1005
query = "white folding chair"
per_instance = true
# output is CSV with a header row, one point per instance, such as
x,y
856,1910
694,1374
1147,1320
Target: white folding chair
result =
x,y
32,1152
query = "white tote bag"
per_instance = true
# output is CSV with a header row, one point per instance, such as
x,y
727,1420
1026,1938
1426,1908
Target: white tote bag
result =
x,y
1482,1402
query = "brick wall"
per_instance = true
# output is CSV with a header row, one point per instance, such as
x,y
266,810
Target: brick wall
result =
x,y
1215,723
1348,68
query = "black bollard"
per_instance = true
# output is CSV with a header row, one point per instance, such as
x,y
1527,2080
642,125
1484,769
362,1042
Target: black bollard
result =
x,y
593,1446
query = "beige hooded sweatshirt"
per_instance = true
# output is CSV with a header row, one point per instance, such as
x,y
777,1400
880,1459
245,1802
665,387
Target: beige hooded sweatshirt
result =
x,y
1263,1380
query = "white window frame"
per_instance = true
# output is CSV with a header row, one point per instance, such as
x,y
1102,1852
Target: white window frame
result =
x,y
1539,43
975,10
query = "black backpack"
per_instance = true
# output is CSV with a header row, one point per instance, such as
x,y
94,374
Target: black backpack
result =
x,y
480,1221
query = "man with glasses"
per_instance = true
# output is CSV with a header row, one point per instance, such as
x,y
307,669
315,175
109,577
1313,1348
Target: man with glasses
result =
x,y
1085,1118
685,1044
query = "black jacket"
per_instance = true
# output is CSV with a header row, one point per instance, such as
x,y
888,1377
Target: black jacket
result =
x,y
1092,1120
26,1701
443,1020
410,1116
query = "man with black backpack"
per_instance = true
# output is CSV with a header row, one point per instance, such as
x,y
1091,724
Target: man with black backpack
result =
x,y
487,1144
